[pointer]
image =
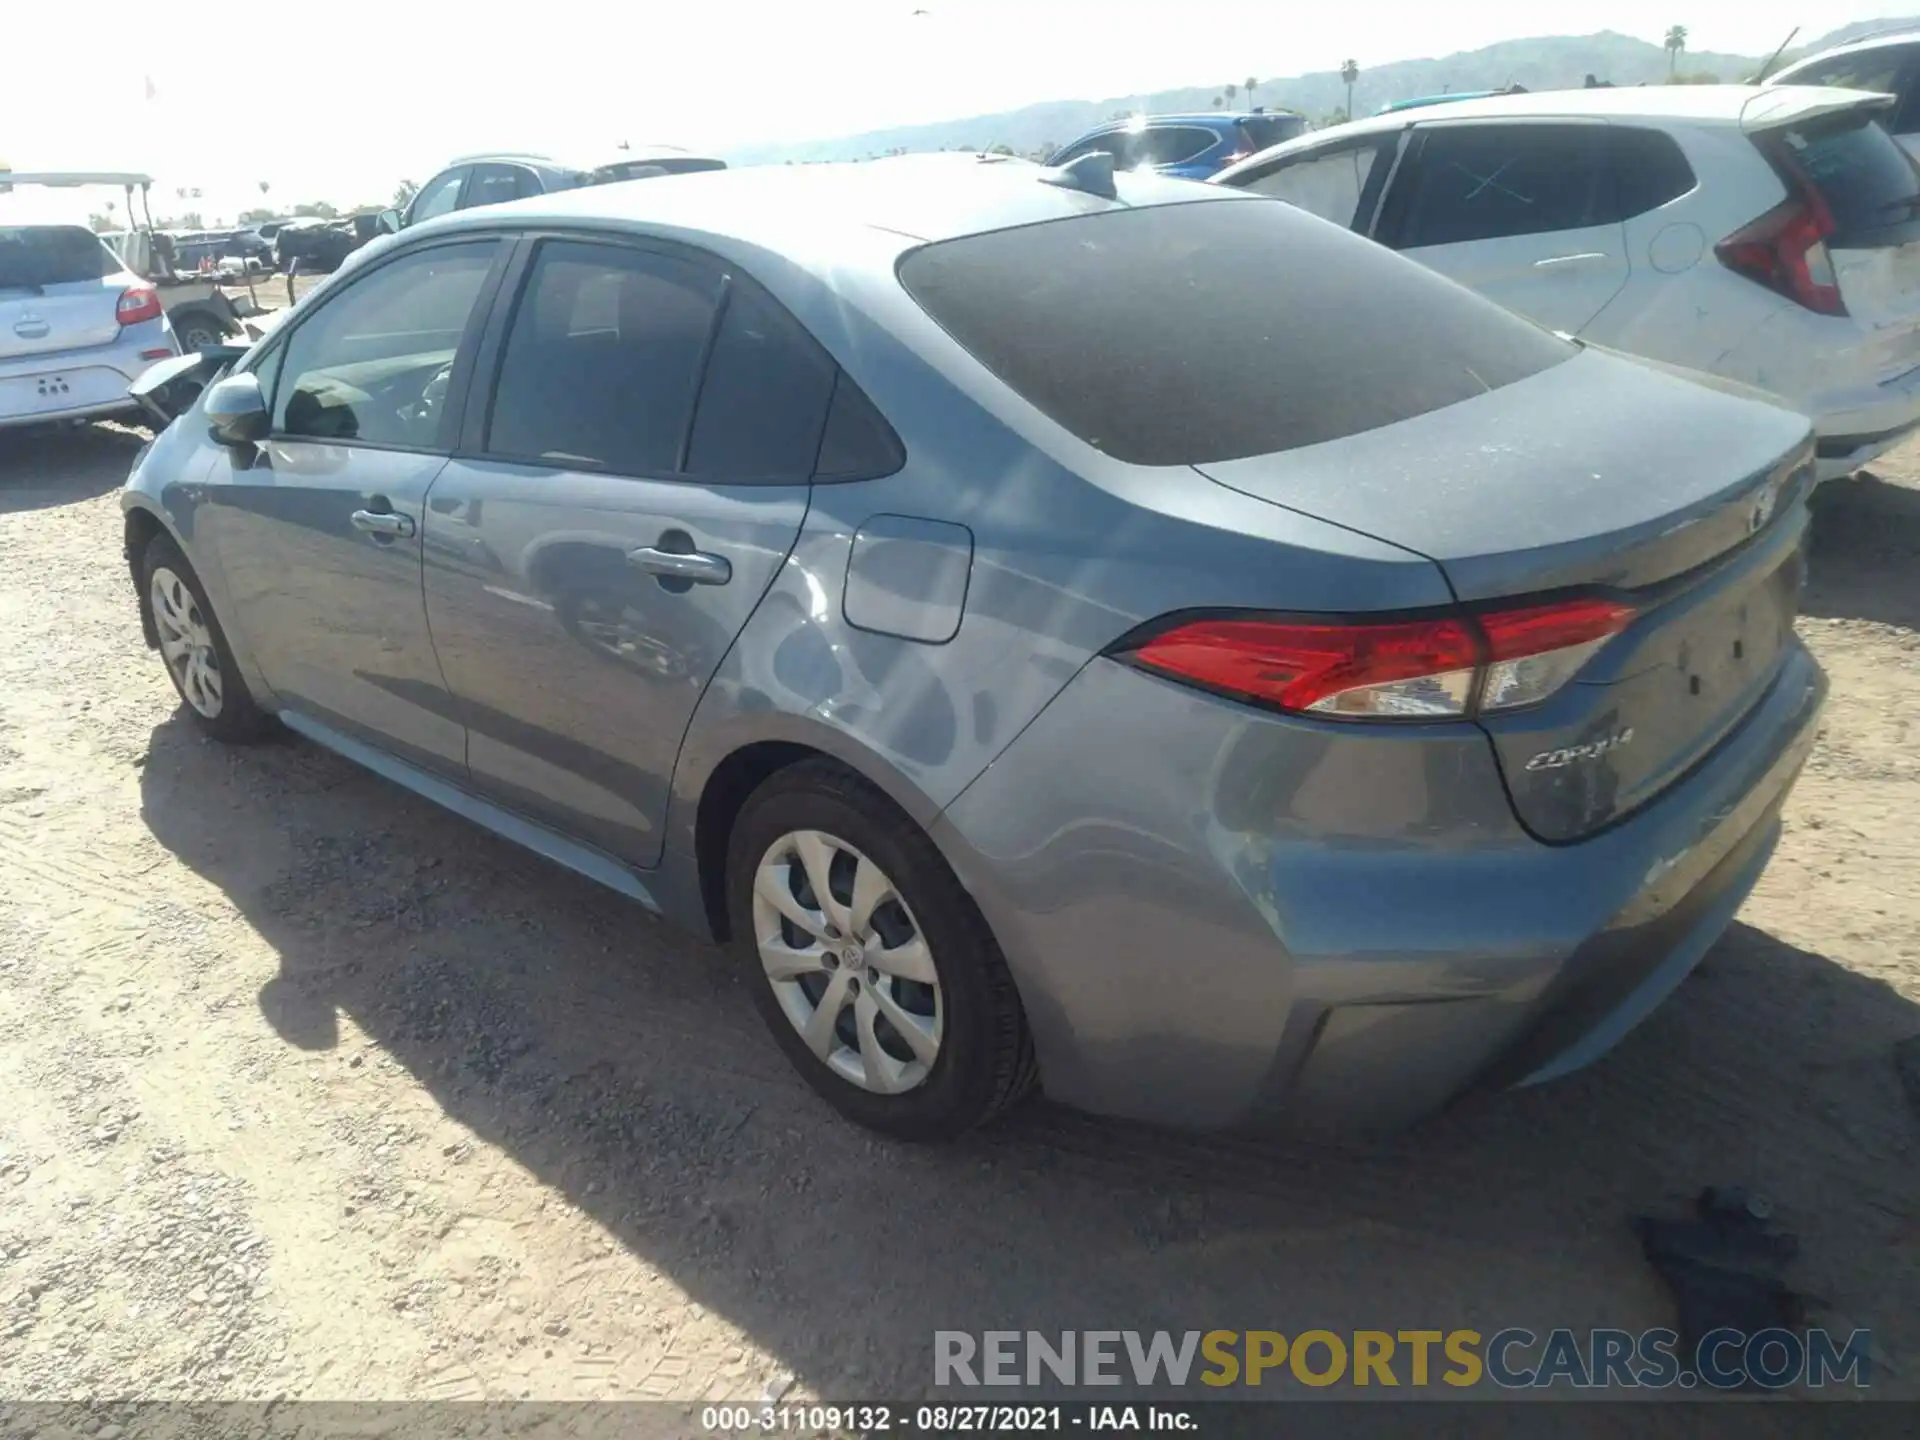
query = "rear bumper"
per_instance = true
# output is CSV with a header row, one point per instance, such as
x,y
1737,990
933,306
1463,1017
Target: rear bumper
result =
x,y
81,384
1278,922
1823,367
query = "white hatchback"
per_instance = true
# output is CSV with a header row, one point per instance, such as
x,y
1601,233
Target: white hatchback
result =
x,y
77,327
1766,234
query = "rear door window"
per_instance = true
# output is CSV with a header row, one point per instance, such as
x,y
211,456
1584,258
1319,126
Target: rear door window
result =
x,y
497,184
602,359
1481,182
1217,329
32,256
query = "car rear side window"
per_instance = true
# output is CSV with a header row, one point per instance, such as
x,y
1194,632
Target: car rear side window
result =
x,y
1482,182
764,399
35,255
601,362
1868,182
1213,330
1649,170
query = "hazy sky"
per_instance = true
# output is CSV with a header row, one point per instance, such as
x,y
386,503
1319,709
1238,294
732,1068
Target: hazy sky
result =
x,y
339,99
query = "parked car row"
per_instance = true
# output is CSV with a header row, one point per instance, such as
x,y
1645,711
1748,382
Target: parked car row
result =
x,y
1064,625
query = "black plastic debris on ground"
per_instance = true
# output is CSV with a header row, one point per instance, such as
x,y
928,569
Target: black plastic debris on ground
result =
x,y
1724,1266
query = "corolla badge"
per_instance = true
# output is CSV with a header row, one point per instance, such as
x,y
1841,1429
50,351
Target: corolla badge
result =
x,y
1573,754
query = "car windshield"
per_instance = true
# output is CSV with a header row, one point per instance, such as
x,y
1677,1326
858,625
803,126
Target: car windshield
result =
x,y
1212,330
35,255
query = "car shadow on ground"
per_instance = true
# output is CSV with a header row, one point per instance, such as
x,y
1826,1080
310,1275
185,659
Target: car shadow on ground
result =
x,y
88,460
1865,552
625,1068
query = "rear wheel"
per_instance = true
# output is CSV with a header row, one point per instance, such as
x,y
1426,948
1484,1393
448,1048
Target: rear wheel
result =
x,y
870,964
194,649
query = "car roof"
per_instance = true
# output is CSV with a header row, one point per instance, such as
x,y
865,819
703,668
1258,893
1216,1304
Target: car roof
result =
x,y
1730,105
1190,117
915,198
635,154
1877,41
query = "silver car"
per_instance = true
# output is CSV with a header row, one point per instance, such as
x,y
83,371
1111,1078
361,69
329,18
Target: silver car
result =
x,y
1098,630
77,327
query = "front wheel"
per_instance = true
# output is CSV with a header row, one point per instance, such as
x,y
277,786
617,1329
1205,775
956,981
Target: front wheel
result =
x,y
194,649
870,964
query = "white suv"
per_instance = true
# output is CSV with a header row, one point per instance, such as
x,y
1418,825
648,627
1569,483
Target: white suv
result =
x,y
1889,63
1767,234
77,327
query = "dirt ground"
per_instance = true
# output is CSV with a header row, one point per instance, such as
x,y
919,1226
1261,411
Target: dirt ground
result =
x,y
309,1089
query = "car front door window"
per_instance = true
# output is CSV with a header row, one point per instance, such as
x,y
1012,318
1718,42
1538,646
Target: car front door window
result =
x,y
373,364
1483,182
442,193
1328,184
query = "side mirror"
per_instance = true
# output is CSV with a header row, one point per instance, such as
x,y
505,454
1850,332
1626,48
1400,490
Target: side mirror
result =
x,y
390,222
236,410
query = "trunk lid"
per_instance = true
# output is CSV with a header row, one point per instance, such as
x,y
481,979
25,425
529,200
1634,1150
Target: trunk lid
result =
x,y
1599,475
59,290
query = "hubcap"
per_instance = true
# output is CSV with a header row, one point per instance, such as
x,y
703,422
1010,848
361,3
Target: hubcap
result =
x,y
186,643
847,962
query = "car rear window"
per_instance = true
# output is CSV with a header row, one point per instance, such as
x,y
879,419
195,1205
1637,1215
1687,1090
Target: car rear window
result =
x,y
1868,181
36,255
1213,330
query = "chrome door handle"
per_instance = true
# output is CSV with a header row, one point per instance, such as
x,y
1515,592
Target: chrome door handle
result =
x,y
700,568
382,522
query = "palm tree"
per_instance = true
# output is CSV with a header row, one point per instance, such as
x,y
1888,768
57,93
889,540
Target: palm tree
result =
x,y
265,185
1218,102
1248,87
1675,42
1231,91
1349,72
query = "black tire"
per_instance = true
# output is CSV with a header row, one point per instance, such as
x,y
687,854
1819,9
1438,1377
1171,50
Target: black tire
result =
x,y
237,720
196,331
985,1064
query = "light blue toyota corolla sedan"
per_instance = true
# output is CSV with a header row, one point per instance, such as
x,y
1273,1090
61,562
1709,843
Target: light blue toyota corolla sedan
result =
x,y
1065,629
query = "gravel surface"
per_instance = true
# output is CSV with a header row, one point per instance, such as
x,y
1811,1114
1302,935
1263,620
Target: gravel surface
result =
x,y
312,1090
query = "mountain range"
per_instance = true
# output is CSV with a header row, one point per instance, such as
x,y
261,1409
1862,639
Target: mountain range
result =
x,y
1543,63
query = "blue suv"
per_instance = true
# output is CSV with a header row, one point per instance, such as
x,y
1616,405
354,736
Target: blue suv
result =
x,y
1192,147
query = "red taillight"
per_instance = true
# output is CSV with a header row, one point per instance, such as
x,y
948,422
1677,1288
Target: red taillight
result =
x,y
1438,668
137,303
1786,248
